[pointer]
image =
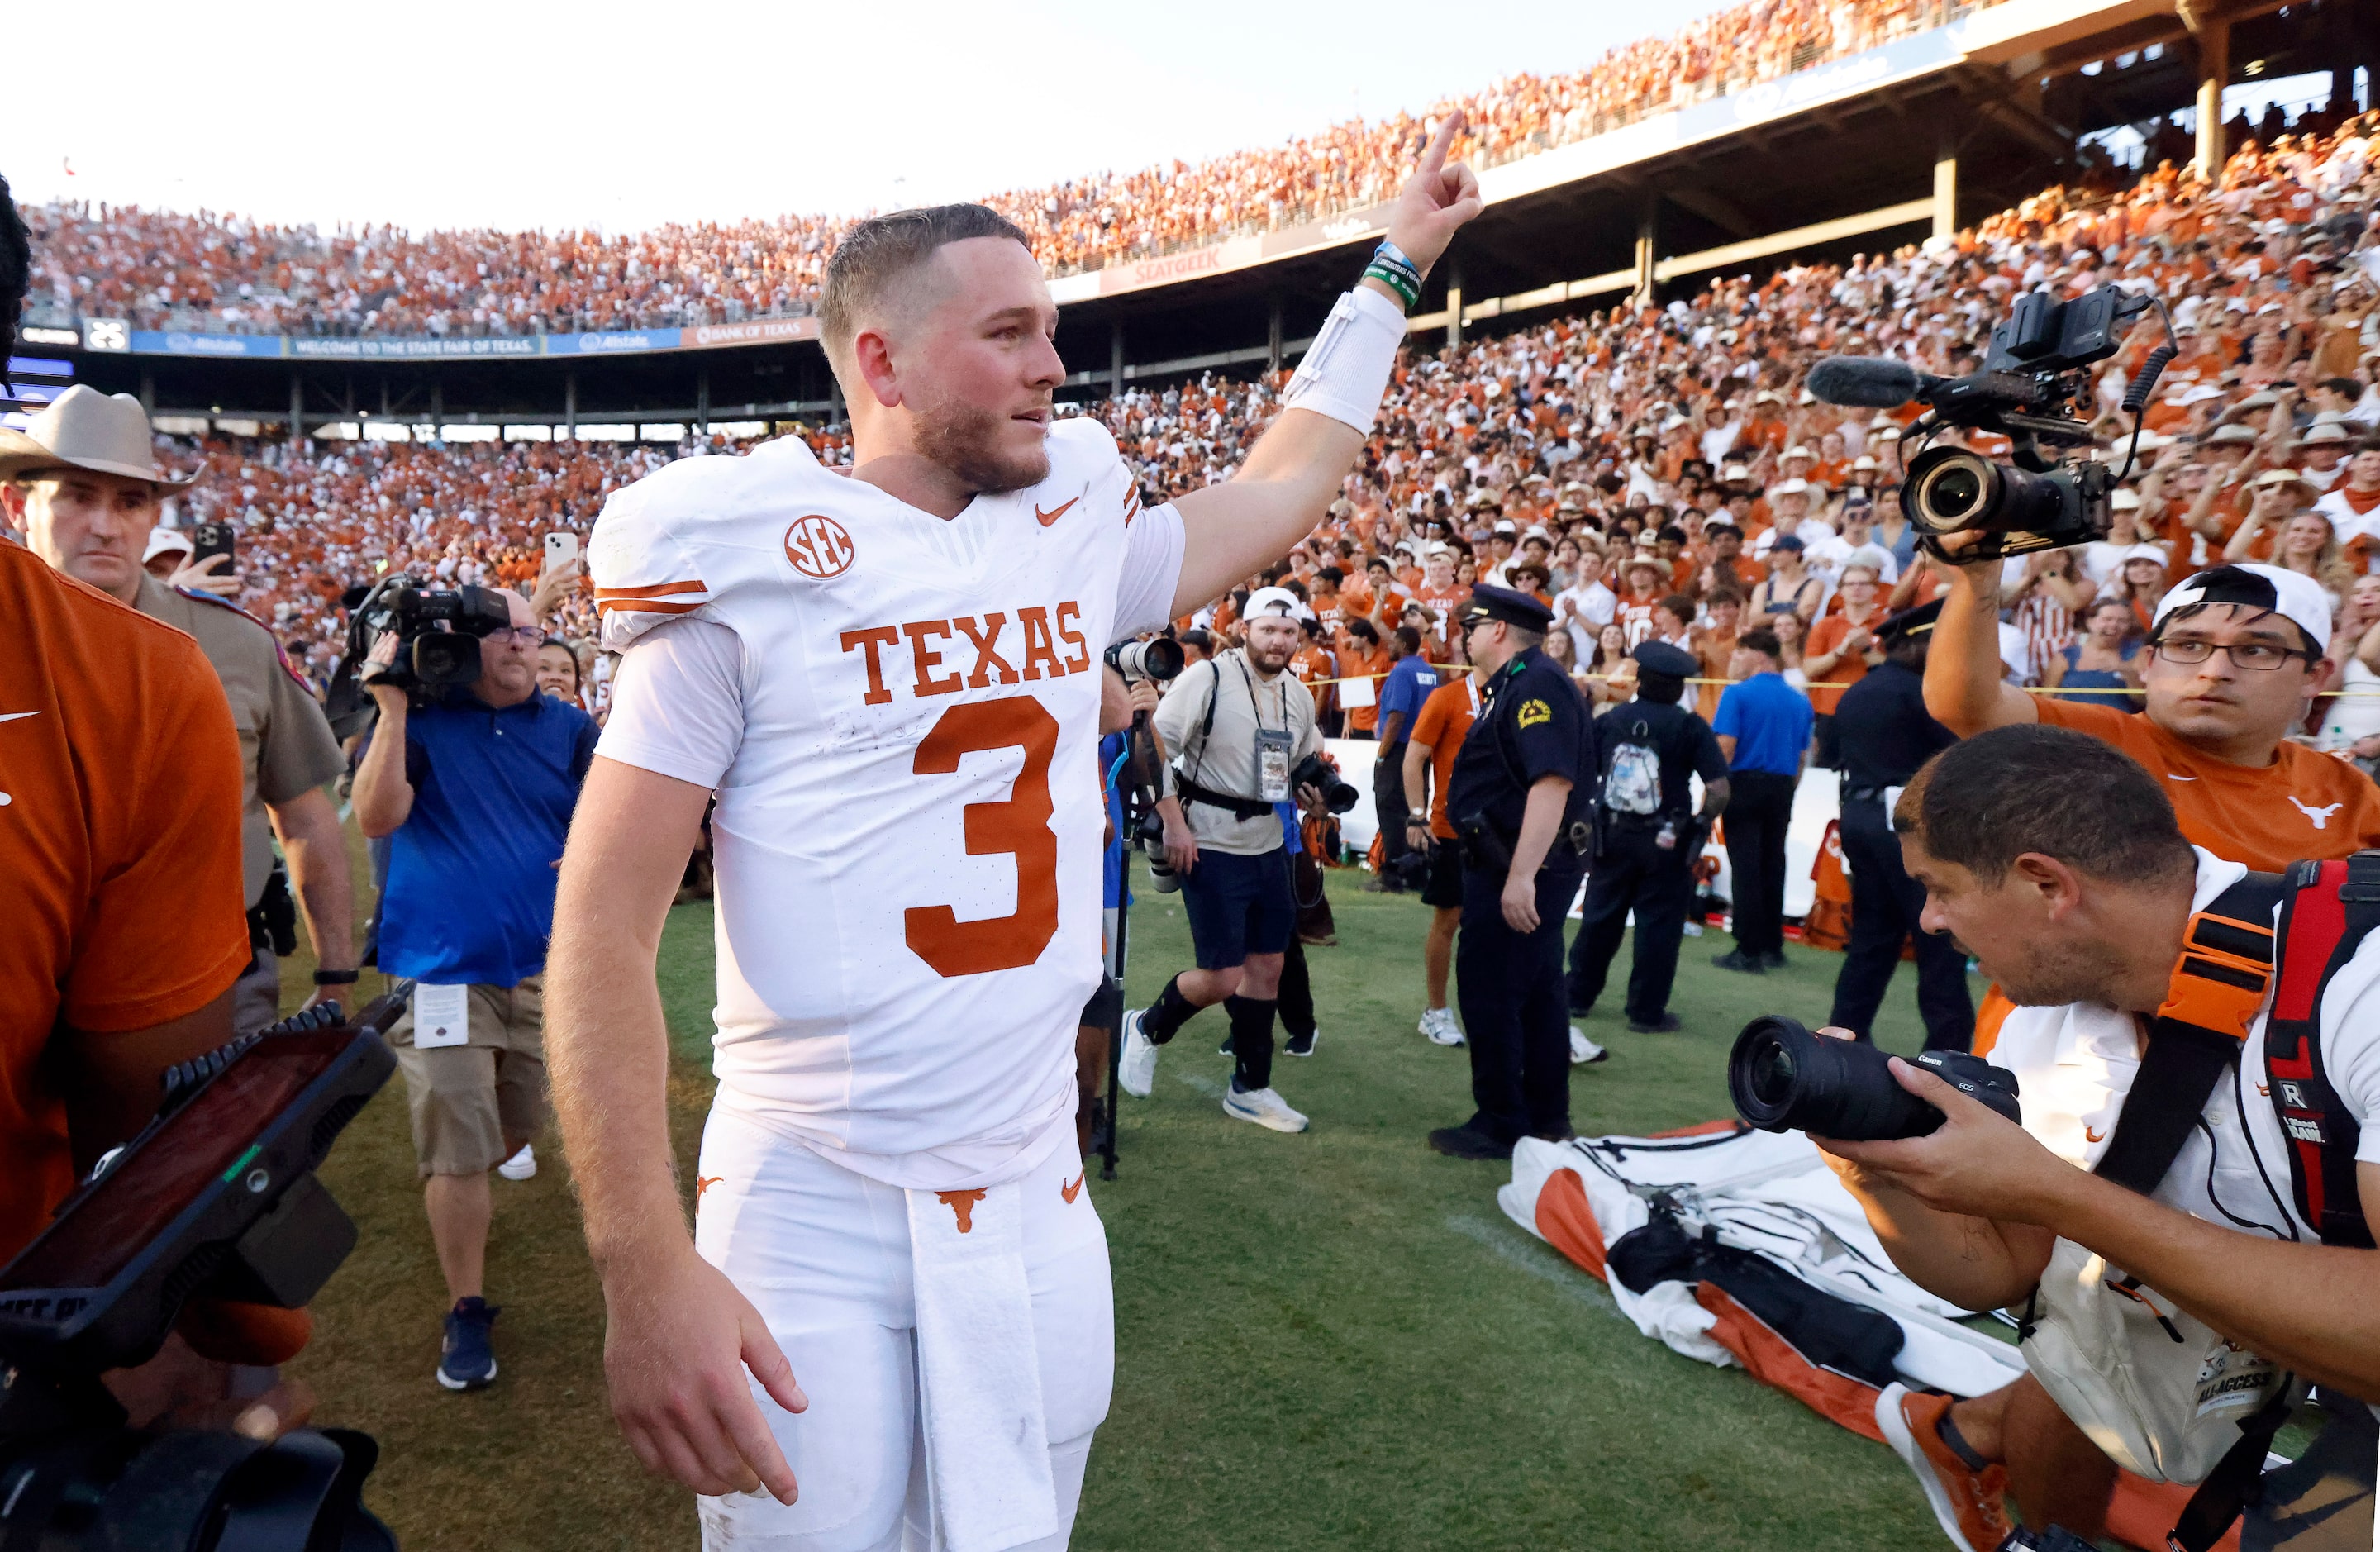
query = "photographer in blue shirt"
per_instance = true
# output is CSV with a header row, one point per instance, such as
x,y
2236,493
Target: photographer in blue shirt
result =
x,y
1764,729
475,790
1408,684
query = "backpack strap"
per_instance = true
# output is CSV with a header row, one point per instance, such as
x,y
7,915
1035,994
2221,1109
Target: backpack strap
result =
x,y
2331,908
2218,987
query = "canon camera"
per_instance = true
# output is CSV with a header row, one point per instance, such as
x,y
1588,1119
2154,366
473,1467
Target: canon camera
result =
x,y
2033,377
1783,1078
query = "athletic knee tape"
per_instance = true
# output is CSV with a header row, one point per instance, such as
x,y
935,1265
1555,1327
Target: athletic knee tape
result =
x,y
1346,370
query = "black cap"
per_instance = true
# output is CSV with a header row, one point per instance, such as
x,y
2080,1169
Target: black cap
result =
x,y
1659,657
1513,607
1909,623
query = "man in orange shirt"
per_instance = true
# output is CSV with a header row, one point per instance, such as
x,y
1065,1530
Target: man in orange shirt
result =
x,y
1835,655
2233,655
1430,750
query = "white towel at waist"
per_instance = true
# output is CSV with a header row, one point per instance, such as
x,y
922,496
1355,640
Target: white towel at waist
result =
x,y
978,1373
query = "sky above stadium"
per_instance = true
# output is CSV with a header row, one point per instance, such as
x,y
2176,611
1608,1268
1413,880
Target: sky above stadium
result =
x,y
623,116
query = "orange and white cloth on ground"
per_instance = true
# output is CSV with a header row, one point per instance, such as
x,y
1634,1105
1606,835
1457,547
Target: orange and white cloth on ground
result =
x,y
1768,1195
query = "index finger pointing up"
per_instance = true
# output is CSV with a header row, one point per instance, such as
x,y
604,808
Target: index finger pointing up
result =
x,y
1434,157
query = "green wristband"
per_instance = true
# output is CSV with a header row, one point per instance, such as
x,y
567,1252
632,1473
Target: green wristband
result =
x,y
1397,281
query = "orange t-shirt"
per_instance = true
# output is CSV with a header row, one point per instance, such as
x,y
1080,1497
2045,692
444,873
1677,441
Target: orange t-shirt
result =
x,y
1356,662
120,887
2304,805
1441,724
1825,636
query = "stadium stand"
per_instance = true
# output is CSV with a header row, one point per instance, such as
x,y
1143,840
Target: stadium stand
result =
x,y
230,273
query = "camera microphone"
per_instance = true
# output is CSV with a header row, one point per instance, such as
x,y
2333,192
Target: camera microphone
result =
x,y
1866,382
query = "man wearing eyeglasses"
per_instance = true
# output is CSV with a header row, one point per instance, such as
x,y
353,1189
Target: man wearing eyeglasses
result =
x,y
475,790
2235,656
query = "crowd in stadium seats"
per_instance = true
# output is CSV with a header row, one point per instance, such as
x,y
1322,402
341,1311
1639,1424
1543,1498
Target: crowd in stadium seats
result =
x,y
1602,460
218,272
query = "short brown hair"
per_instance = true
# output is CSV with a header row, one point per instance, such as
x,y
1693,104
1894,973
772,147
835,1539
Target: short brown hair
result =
x,y
1980,804
881,248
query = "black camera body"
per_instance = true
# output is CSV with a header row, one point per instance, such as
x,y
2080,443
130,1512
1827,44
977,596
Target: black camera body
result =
x,y
1339,794
216,1196
441,630
1783,1078
2031,379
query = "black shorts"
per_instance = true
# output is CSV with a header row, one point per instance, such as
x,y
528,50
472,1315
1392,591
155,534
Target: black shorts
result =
x,y
1238,907
1443,888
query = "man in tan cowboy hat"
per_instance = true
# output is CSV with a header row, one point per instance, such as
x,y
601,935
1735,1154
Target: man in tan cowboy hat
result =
x,y
81,485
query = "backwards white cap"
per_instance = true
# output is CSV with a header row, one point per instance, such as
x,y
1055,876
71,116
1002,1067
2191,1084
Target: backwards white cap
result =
x,y
2292,595
1275,601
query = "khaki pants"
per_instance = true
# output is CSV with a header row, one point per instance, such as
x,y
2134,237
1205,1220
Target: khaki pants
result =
x,y
466,1100
256,996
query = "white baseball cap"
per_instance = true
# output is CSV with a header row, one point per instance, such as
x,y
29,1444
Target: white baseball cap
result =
x,y
162,539
1272,601
2292,595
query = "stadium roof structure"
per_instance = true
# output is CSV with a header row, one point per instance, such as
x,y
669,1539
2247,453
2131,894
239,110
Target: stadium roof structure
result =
x,y
1905,141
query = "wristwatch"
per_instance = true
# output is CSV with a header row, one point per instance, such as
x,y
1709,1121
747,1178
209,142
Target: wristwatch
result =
x,y
338,977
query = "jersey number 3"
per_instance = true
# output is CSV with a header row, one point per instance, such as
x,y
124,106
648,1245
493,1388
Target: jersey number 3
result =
x,y
1019,826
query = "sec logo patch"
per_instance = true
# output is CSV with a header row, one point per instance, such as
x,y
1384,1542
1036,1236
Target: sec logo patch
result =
x,y
819,547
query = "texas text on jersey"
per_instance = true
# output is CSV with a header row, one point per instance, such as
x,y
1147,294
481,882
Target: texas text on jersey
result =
x,y
901,716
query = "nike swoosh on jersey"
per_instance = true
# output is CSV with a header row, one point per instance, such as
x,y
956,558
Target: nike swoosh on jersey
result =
x,y
2090,1135
1071,1191
1049,517
2172,776
12,716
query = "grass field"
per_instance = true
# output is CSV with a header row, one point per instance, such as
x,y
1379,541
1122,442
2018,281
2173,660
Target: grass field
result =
x,y
1326,1340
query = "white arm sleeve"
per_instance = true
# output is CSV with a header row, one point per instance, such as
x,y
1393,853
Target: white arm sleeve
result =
x,y
1152,570
677,703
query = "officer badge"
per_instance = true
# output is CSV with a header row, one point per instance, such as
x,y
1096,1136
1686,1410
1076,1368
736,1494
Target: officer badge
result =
x,y
1533,712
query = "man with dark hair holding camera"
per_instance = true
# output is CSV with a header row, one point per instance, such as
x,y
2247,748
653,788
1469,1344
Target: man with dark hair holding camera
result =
x,y
82,486
2240,1253
1518,798
1239,726
475,790
2233,654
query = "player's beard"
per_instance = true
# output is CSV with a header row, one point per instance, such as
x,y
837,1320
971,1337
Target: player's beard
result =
x,y
965,439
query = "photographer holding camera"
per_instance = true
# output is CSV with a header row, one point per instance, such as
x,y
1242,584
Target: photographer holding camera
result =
x,y
82,483
475,787
1242,732
2185,1213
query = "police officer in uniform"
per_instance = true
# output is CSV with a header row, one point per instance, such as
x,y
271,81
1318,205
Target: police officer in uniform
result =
x,y
1884,734
1518,798
1646,836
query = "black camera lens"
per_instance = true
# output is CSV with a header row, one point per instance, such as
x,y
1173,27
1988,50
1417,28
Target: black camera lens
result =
x,y
1783,1078
1952,490
1338,795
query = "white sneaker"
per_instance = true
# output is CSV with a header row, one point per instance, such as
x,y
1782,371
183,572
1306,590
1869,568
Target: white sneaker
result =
x,y
1438,1024
1582,1050
520,1166
1264,1107
1136,1068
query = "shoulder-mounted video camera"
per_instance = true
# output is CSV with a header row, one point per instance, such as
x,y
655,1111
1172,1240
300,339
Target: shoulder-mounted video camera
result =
x,y
216,1197
2026,390
439,630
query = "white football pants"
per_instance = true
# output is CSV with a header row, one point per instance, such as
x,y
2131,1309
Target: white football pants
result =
x,y
824,1254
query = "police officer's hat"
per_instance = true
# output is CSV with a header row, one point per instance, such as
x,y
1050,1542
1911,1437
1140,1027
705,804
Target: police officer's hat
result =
x,y
1659,657
1513,607
1909,623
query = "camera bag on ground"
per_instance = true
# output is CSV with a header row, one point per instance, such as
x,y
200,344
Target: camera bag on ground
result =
x,y
2158,1390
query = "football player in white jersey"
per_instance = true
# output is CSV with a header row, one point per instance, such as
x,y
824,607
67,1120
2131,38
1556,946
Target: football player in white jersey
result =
x,y
897,1291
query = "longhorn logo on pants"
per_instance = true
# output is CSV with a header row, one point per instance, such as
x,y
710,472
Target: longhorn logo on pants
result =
x,y
961,1204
